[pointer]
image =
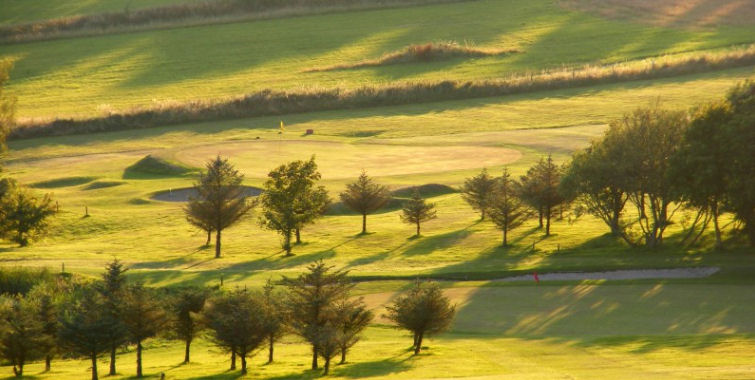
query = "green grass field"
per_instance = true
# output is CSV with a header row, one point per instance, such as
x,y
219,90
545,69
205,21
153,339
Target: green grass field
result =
x,y
93,75
655,329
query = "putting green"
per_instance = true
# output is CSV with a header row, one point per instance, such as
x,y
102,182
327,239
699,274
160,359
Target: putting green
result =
x,y
342,160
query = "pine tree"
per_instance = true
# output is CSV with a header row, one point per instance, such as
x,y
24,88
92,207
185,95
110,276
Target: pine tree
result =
x,y
311,298
185,308
143,317
416,210
112,290
477,191
236,320
273,323
365,197
87,327
22,337
506,210
221,200
423,310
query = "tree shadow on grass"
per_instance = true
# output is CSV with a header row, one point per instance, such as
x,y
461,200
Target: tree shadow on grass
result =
x,y
231,375
385,367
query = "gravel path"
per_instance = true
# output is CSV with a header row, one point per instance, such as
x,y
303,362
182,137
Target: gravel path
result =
x,y
633,274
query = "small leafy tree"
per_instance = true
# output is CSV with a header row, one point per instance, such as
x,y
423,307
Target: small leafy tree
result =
x,y
23,215
22,337
311,298
112,288
87,326
477,191
236,320
597,178
423,310
143,317
185,308
291,199
650,137
273,317
365,197
699,167
221,199
506,210
740,137
416,210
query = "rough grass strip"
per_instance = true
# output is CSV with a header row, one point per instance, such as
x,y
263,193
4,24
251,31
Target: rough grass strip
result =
x,y
195,13
429,52
268,102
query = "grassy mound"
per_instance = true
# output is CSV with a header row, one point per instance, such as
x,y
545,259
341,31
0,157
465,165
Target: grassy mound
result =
x,y
152,166
432,51
102,184
428,190
62,182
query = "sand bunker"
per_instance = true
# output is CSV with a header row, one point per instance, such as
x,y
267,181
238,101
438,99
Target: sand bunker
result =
x,y
183,195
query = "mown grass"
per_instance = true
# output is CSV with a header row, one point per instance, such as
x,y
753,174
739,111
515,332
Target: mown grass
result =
x,y
585,331
97,75
187,14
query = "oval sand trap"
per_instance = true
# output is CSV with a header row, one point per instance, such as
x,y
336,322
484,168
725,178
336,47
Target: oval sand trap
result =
x,y
183,195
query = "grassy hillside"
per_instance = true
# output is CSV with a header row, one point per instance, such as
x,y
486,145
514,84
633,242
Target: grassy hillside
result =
x,y
19,11
89,76
654,329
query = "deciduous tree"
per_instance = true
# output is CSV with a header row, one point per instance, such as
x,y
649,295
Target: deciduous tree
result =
x,y
540,189
291,199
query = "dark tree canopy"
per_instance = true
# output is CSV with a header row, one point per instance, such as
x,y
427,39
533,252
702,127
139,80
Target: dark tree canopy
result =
x,y
650,137
185,307
309,303
22,336
506,209
291,199
539,188
236,320
423,310
350,318
416,210
24,215
597,178
87,326
740,145
113,288
221,199
698,168
274,317
365,196
477,191
143,316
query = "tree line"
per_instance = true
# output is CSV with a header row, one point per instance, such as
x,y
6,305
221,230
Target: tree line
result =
x,y
650,165
653,162
90,319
